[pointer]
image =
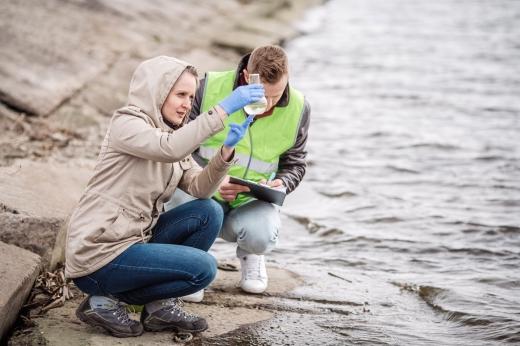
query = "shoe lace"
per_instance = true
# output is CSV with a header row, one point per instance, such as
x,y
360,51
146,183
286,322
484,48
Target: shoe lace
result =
x,y
254,268
175,306
122,315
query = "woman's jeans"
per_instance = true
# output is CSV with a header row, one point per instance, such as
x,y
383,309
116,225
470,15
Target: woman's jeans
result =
x,y
174,263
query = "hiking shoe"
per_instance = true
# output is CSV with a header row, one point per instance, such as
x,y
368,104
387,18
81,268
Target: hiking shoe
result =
x,y
196,297
171,316
254,274
114,319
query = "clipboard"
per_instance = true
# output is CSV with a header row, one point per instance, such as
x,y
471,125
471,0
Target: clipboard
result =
x,y
260,191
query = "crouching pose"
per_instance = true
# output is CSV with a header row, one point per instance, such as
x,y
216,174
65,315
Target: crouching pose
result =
x,y
121,246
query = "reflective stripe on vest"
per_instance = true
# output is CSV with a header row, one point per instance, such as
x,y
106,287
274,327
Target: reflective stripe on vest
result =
x,y
256,165
271,136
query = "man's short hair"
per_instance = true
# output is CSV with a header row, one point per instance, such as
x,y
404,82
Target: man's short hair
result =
x,y
270,62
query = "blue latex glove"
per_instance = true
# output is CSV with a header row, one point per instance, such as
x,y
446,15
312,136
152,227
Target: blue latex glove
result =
x,y
237,131
242,96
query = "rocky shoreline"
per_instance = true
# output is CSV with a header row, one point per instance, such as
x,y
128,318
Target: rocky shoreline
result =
x,y
65,66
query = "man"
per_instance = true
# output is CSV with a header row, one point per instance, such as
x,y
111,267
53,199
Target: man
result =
x,y
274,147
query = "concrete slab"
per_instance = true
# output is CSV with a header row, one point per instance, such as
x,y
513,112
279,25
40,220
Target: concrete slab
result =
x,y
42,190
35,200
18,270
44,60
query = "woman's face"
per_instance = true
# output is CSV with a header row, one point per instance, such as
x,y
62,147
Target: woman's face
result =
x,y
178,103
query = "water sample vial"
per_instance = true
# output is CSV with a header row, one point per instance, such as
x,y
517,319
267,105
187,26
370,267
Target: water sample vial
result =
x,y
259,106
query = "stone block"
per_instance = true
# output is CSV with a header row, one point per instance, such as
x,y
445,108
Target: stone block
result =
x,y
19,269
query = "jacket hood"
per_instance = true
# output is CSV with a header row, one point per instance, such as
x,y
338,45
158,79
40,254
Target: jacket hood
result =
x,y
150,85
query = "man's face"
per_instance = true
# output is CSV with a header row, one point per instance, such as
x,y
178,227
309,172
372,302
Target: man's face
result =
x,y
178,103
273,91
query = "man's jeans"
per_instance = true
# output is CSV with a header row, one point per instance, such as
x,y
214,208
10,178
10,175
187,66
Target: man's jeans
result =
x,y
174,263
253,226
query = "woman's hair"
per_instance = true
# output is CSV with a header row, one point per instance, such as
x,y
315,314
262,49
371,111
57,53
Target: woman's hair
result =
x,y
270,62
193,71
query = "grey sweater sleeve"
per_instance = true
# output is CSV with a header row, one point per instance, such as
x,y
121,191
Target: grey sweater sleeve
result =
x,y
292,164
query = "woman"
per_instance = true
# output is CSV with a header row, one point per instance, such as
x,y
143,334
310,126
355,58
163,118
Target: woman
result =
x,y
119,247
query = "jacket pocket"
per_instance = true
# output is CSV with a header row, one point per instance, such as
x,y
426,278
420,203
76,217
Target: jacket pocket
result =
x,y
122,227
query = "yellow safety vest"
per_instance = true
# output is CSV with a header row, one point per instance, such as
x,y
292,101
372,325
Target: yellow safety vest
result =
x,y
265,141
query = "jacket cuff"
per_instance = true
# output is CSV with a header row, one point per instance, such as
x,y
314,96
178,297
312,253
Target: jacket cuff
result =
x,y
220,164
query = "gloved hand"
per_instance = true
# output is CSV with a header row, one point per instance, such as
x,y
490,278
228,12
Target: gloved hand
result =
x,y
242,96
237,131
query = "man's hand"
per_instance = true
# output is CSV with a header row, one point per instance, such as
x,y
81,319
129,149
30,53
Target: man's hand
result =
x,y
229,191
272,183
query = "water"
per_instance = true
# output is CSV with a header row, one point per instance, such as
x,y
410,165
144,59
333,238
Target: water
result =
x,y
256,107
411,202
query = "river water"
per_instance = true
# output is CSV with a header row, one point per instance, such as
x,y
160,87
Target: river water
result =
x,y
411,204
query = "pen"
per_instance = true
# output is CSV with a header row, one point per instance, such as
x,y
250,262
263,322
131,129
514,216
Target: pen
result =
x,y
271,177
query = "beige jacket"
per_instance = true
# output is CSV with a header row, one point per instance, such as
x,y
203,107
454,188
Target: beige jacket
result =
x,y
141,163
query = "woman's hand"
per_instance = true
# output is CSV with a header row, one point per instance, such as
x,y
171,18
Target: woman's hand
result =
x,y
242,96
237,132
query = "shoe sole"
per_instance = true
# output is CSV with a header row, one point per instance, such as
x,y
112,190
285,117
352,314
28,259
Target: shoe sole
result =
x,y
253,291
174,329
84,318
190,300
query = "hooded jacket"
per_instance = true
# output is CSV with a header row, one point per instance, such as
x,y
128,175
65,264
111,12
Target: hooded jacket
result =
x,y
141,162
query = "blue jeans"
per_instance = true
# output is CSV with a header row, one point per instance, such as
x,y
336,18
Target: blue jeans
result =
x,y
174,263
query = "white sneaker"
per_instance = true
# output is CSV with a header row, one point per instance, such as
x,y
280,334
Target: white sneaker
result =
x,y
194,297
254,275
